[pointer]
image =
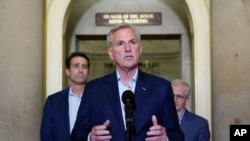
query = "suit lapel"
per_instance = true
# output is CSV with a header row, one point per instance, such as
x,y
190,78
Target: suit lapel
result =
x,y
185,119
112,93
65,108
142,90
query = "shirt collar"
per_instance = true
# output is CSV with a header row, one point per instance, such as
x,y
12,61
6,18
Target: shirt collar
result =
x,y
134,78
72,94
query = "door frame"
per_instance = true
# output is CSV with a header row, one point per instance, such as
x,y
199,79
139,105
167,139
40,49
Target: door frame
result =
x,y
198,12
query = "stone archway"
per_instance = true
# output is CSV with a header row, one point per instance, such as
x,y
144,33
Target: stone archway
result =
x,y
199,17
201,43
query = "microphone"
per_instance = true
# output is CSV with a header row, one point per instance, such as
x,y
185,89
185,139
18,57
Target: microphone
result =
x,y
129,102
128,99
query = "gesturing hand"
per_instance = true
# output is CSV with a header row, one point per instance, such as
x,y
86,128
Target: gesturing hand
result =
x,y
101,132
156,132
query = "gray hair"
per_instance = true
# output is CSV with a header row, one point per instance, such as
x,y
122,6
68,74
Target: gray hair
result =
x,y
179,82
122,26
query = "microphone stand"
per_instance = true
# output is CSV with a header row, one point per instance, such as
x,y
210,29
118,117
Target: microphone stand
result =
x,y
129,122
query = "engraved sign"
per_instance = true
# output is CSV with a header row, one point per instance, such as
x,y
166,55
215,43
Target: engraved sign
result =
x,y
148,18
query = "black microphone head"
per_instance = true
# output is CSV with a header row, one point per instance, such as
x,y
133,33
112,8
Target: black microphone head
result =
x,y
128,97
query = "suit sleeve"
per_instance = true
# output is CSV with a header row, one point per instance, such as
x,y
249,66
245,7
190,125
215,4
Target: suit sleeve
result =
x,y
204,134
46,131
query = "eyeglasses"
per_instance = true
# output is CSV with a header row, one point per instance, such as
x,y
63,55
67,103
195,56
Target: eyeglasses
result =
x,y
179,96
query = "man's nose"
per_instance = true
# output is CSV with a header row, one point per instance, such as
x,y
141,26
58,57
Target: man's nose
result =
x,y
80,69
127,47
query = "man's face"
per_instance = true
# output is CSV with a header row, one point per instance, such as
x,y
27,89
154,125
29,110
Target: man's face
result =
x,y
78,71
125,50
180,97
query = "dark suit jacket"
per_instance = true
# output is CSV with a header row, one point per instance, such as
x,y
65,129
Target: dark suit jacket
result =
x,y
55,122
195,128
101,102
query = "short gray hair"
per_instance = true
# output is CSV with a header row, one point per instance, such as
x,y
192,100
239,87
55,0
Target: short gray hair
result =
x,y
179,82
122,26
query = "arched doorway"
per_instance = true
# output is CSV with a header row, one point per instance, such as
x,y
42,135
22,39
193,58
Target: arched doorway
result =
x,y
199,18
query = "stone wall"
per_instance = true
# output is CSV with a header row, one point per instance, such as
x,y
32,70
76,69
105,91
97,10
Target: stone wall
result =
x,y
231,65
21,44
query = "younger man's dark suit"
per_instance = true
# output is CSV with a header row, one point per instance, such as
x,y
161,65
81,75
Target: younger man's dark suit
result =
x,y
55,122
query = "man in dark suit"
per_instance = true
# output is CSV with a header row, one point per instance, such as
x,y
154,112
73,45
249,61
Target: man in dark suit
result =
x,y
101,114
194,127
61,108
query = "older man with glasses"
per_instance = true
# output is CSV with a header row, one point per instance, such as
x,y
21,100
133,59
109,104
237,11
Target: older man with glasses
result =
x,y
194,127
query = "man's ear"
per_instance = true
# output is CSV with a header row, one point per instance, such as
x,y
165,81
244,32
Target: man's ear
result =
x,y
110,54
140,49
187,100
67,72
